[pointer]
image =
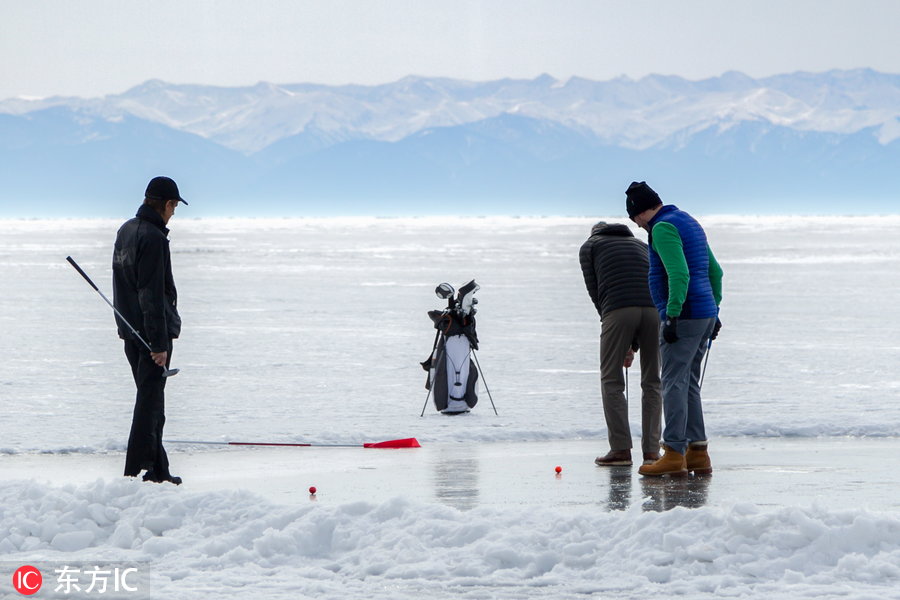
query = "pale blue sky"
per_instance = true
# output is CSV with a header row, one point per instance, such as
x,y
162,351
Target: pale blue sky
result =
x,y
96,47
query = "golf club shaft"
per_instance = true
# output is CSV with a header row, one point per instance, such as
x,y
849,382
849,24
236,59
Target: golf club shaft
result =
x,y
72,262
705,362
626,385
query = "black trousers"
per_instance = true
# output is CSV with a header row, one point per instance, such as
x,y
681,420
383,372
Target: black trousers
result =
x,y
145,449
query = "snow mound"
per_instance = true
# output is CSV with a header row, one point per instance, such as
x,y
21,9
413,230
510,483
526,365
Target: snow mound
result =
x,y
199,545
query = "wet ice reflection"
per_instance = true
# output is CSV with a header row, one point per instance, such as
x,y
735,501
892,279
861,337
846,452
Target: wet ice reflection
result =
x,y
665,493
656,493
619,488
456,479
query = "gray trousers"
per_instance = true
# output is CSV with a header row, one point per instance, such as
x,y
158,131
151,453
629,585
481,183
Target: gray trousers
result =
x,y
681,365
618,330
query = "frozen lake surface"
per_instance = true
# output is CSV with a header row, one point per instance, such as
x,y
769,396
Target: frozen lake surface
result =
x,y
840,473
312,331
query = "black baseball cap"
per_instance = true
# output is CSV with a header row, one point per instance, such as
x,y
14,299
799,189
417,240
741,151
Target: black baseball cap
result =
x,y
163,188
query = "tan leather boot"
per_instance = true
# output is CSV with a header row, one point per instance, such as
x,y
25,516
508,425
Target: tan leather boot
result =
x,y
697,458
671,463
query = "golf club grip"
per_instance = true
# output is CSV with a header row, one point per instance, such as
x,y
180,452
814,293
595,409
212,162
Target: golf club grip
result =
x,y
83,274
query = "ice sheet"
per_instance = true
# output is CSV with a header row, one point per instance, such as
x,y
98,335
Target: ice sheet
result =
x,y
840,473
312,331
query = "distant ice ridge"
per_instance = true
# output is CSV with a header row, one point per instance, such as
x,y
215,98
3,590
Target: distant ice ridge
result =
x,y
484,432
510,223
212,545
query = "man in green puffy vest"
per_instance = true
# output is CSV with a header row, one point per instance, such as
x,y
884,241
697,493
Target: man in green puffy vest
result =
x,y
686,286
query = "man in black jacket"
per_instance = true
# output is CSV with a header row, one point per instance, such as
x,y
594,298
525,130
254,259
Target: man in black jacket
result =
x,y
144,293
615,265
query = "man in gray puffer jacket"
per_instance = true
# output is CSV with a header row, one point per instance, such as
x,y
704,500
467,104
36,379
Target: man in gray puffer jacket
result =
x,y
615,266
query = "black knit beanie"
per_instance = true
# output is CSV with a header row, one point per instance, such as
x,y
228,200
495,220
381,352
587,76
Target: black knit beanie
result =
x,y
639,197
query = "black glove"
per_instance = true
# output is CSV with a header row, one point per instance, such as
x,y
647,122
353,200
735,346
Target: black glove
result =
x,y
670,329
716,328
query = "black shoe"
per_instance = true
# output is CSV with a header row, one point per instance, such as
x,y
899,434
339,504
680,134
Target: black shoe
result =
x,y
151,476
614,458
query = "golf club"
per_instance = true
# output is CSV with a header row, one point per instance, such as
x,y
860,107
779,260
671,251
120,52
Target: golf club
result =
x,y
705,362
166,372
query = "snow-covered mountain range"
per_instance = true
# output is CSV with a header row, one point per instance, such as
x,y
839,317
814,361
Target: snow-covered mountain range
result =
x,y
814,141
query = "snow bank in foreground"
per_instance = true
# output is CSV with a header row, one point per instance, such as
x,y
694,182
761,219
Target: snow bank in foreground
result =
x,y
236,544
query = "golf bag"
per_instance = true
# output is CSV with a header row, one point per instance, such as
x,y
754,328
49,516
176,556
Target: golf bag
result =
x,y
452,374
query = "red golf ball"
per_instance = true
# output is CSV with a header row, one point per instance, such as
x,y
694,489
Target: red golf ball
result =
x,y
559,469
312,489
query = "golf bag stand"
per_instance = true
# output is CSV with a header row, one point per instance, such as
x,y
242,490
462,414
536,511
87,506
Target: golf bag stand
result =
x,y
484,381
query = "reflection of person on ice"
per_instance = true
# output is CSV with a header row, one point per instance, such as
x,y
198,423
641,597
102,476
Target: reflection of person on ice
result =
x,y
615,266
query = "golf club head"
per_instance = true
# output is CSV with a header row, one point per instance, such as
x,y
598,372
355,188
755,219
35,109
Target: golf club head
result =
x,y
444,291
170,372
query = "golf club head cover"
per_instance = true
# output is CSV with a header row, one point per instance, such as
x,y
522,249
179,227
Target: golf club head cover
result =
x,y
466,296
